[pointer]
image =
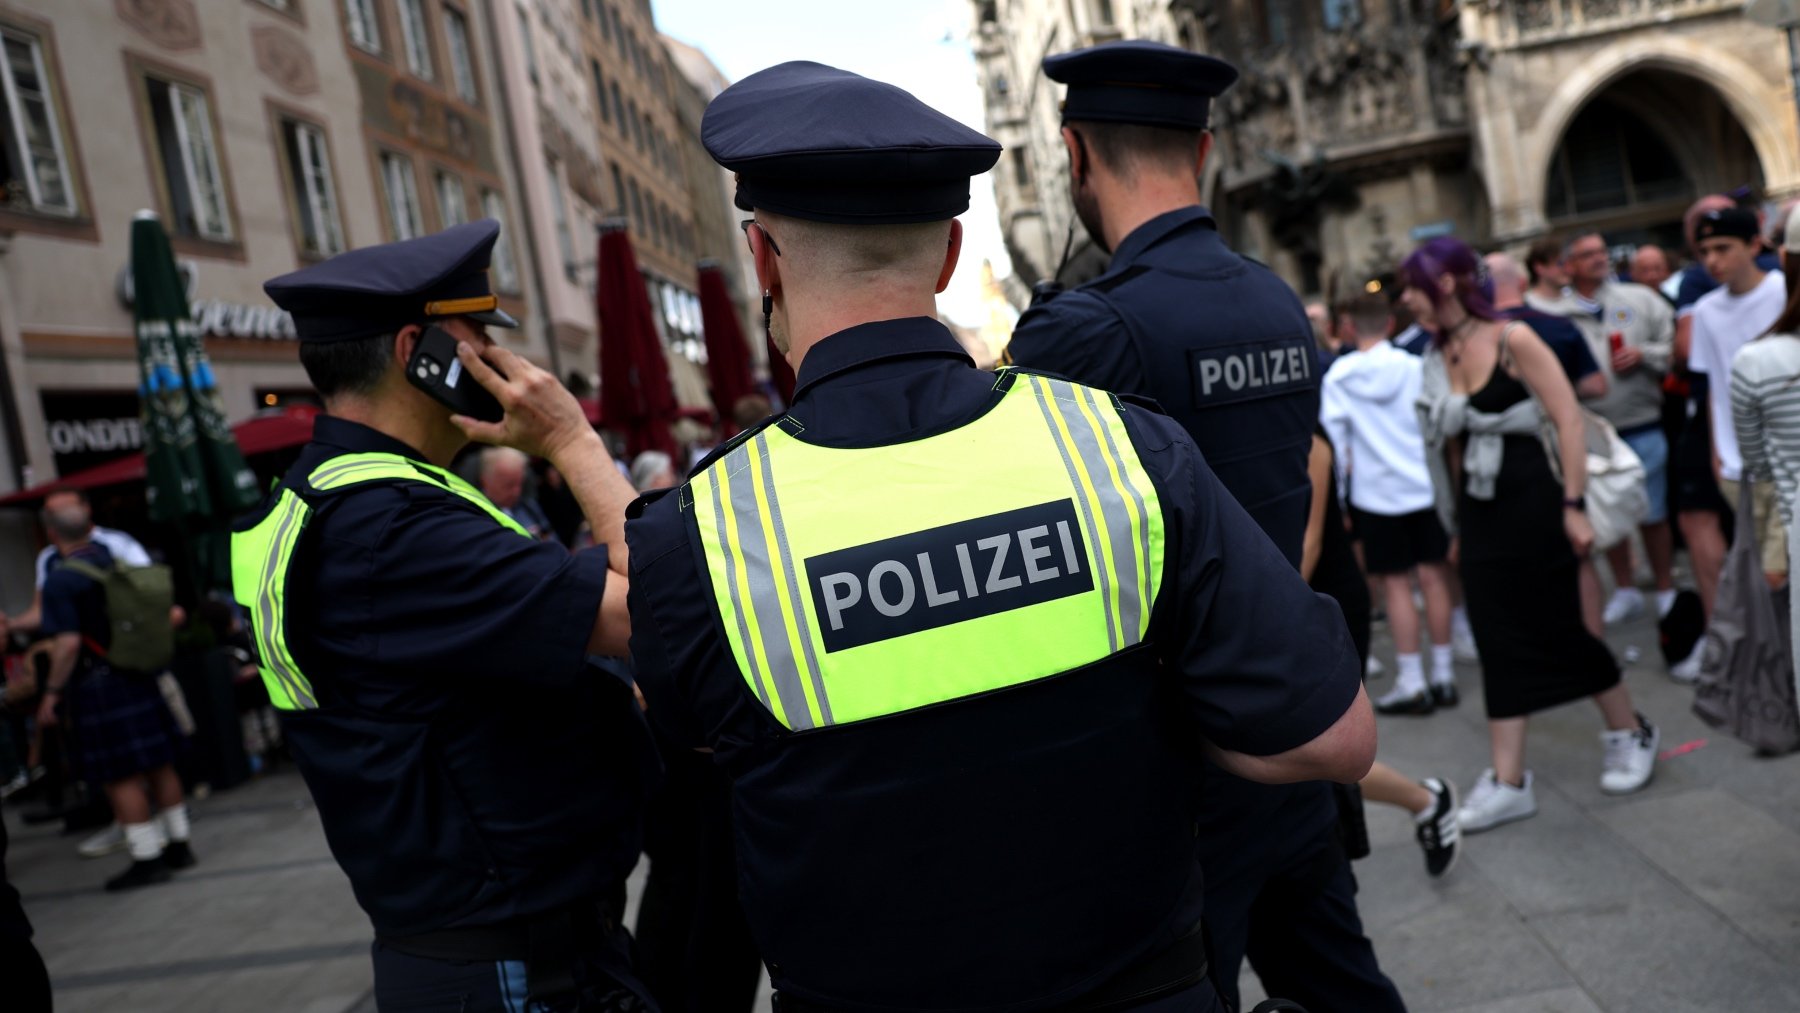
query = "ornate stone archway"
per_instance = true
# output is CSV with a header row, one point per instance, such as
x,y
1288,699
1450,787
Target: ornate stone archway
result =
x,y
1529,94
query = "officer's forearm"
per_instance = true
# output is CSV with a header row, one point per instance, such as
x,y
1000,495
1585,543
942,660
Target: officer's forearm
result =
x,y
1342,753
602,492
611,635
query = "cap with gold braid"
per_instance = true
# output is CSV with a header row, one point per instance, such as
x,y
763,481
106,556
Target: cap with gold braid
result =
x,y
380,289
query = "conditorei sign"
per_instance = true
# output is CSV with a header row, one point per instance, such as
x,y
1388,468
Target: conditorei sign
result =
x,y
217,318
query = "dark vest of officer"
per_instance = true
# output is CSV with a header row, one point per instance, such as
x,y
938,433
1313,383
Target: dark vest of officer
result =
x,y
1219,341
1021,849
471,769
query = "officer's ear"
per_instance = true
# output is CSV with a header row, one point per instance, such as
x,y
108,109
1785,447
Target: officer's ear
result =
x,y
1203,152
951,255
405,340
1078,154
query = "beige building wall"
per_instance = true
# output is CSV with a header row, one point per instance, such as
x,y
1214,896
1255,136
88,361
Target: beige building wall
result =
x,y
62,322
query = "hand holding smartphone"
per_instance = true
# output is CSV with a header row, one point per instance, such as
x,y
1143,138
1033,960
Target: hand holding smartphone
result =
x,y
435,369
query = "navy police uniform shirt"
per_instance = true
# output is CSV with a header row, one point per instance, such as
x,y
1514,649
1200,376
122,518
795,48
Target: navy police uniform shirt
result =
x,y
1226,658
469,766
1220,342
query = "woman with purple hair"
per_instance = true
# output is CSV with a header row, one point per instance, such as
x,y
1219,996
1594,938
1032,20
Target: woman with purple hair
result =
x,y
1487,389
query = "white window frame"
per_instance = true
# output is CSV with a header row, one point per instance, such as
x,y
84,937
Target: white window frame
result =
x,y
315,193
462,56
415,38
452,198
559,213
527,44
15,110
400,190
199,171
504,268
365,24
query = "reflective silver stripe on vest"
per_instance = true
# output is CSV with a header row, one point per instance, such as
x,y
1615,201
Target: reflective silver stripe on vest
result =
x,y
1121,536
270,622
737,605
797,605
1141,524
759,573
1041,390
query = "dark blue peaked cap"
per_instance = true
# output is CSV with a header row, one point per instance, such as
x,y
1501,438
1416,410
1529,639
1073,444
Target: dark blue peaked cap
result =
x,y
380,289
811,141
1138,81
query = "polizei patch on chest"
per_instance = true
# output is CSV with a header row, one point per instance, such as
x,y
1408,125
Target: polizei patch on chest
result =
x,y
950,574
1226,373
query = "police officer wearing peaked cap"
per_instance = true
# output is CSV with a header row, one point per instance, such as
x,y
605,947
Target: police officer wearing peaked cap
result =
x,y
478,781
1224,346
958,637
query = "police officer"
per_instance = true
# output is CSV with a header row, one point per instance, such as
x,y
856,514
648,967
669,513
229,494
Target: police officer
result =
x,y
477,780
1225,347
957,636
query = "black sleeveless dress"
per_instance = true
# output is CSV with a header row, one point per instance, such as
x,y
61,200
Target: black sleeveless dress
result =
x,y
1520,580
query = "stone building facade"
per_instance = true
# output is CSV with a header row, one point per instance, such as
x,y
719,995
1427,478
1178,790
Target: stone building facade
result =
x,y
267,134
1361,127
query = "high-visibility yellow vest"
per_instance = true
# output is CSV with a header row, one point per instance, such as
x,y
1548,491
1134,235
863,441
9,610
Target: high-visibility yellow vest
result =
x,y
853,584
260,557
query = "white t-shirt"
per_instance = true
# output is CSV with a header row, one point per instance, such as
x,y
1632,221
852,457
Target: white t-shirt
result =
x,y
124,549
1723,324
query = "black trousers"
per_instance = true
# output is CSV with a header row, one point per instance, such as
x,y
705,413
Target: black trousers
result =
x,y
408,984
1299,927
694,948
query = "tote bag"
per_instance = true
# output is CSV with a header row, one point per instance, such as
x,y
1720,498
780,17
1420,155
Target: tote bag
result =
x,y
1746,682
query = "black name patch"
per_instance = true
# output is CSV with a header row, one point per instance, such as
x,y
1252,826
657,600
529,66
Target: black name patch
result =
x,y
926,579
1226,373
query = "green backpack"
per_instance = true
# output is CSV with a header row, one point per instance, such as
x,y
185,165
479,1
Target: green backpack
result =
x,y
138,600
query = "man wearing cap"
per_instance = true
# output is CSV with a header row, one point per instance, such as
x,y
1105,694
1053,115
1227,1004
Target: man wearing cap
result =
x,y
477,780
1222,344
959,638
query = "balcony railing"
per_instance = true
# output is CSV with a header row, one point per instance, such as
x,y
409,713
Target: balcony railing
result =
x,y
1524,22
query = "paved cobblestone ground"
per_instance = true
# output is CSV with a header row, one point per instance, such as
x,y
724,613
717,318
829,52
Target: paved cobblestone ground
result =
x,y
1684,897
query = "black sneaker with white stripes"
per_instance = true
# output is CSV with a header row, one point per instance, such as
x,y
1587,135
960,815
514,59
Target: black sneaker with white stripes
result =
x,y
1438,832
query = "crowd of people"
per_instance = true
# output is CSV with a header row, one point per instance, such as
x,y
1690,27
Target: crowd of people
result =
x,y
1462,466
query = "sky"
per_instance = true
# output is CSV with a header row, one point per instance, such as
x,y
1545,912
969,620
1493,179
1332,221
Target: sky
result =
x,y
920,45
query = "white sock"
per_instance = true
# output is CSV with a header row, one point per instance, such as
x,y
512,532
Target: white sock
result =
x,y
1443,670
175,821
1412,674
1665,600
143,840
1459,622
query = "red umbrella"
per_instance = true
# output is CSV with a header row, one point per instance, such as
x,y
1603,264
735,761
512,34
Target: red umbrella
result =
x,y
727,355
636,399
262,434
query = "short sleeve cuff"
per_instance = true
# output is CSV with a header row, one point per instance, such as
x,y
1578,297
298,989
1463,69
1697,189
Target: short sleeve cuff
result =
x,y
1309,717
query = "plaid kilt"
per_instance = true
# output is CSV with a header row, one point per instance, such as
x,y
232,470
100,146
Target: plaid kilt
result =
x,y
120,724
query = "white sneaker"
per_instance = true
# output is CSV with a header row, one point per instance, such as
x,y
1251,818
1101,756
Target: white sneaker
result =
x,y
1491,803
1630,758
1687,670
106,842
1373,668
1462,646
1625,604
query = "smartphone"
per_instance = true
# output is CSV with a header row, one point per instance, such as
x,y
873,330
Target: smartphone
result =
x,y
435,369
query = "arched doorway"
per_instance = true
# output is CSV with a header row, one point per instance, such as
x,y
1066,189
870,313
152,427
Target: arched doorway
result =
x,y
1637,154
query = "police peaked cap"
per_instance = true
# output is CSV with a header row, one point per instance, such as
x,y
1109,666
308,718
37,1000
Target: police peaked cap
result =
x,y
380,289
811,141
1138,81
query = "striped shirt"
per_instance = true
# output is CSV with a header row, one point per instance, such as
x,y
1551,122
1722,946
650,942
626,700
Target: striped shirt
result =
x,y
1765,410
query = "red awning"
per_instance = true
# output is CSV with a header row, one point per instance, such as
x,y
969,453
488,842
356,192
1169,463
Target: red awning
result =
x,y
263,434
727,356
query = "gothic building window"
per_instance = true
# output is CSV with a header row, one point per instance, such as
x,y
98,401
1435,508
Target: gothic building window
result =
x,y
1341,14
1609,158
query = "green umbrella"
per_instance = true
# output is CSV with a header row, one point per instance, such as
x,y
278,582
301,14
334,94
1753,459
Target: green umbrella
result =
x,y
195,475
